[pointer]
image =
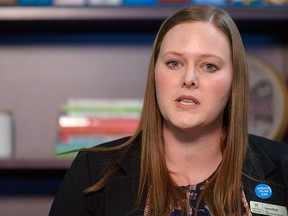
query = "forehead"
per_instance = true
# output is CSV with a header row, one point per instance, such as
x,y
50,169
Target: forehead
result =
x,y
196,37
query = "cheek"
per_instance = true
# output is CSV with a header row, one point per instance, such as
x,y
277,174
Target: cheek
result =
x,y
165,80
221,89
162,84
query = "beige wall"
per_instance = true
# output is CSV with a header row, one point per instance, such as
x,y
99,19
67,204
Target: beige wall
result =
x,y
25,206
35,80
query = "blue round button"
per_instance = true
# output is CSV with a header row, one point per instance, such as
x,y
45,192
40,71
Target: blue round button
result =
x,y
263,191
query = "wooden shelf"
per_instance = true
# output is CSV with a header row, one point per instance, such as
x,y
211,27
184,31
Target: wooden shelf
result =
x,y
53,19
81,13
124,13
21,164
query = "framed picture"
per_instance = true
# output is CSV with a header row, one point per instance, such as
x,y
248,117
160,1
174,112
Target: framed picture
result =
x,y
268,106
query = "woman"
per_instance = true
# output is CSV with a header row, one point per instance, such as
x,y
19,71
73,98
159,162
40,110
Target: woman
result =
x,y
191,153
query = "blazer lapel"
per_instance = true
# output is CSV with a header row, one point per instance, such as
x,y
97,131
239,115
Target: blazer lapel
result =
x,y
121,191
120,196
259,169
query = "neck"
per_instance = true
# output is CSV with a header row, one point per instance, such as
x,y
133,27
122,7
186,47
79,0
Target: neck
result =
x,y
192,158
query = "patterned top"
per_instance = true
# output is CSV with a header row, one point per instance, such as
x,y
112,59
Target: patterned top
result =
x,y
193,192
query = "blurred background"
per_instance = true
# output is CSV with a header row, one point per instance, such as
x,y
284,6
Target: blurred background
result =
x,y
73,72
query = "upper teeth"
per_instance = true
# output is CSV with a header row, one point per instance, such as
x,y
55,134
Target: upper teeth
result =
x,y
186,102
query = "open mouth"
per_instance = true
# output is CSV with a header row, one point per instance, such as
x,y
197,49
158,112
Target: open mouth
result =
x,y
187,100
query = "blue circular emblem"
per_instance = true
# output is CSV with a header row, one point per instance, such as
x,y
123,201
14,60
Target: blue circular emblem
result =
x,y
263,191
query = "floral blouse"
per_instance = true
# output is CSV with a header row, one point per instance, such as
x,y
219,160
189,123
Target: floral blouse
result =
x,y
193,192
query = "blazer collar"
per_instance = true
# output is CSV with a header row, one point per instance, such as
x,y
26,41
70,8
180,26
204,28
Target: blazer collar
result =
x,y
257,163
121,191
260,169
129,161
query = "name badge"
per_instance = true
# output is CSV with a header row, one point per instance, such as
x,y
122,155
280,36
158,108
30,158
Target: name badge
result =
x,y
268,209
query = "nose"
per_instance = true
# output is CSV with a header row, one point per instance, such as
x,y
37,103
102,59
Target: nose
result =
x,y
190,79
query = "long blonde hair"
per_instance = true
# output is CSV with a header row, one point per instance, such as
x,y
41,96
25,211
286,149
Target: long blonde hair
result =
x,y
222,193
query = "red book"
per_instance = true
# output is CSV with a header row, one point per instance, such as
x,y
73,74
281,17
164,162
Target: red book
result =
x,y
99,126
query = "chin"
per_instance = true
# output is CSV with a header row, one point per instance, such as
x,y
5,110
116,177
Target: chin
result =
x,y
179,125
184,127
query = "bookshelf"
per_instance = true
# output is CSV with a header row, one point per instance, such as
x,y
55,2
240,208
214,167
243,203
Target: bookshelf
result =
x,y
18,20
22,13
119,19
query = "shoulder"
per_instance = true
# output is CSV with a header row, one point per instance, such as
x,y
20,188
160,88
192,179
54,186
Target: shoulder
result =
x,y
267,156
99,159
86,169
267,146
127,160
266,162
114,143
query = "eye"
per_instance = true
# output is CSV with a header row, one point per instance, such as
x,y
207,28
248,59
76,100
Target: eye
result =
x,y
210,67
173,64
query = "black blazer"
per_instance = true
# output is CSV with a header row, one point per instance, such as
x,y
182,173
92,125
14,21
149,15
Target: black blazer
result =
x,y
266,162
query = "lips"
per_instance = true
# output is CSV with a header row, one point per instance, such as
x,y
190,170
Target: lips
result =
x,y
187,100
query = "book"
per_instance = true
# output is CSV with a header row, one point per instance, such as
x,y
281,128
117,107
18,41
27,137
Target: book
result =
x,y
84,123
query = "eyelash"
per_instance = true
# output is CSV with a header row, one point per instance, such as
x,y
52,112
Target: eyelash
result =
x,y
214,67
171,66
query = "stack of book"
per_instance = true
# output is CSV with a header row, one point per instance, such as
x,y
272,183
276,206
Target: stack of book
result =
x,y
85,123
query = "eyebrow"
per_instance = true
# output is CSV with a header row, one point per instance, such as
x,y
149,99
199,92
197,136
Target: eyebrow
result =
x,y
173,53
202,55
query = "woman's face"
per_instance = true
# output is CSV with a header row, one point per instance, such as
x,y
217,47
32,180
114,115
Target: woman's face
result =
x,y
193,76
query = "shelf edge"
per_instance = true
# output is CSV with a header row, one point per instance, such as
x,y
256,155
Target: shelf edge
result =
x,y
123,13
34,164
